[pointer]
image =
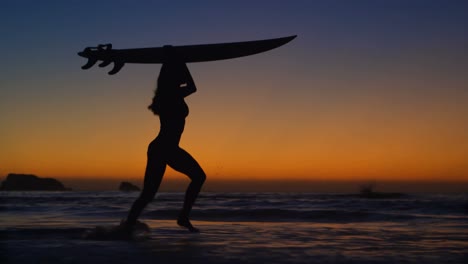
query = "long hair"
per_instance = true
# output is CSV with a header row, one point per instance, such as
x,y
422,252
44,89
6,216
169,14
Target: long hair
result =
x,y
168,80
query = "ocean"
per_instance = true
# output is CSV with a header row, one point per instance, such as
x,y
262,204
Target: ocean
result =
x,y
48,227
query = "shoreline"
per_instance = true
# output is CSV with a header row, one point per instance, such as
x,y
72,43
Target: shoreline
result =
x,y
246,242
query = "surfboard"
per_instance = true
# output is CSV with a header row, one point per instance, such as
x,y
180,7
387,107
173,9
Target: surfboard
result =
x,y
188,54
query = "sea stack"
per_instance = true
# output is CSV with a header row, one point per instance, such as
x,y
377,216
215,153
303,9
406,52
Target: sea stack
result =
x,y
29,182
128,187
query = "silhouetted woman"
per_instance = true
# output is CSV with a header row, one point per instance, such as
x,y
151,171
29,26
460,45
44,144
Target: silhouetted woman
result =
x,y
174,84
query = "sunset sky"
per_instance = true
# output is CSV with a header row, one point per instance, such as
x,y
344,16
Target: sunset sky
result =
x,y
369,90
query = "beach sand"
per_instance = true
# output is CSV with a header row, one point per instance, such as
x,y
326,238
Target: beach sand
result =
x,y
243,242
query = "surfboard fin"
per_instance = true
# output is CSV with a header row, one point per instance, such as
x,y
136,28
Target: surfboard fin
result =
x,y
105,63
104,46
117,66
89,64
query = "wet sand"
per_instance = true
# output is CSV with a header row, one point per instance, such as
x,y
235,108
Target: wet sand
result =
x,y
244,242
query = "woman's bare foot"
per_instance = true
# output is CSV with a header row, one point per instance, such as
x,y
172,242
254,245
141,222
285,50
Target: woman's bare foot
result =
x,y
185,222
128,231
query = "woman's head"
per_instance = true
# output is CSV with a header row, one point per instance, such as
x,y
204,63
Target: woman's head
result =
x,y
169,79
169,75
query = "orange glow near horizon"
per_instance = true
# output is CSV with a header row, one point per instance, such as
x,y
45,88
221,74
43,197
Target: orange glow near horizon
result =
x,y
350,141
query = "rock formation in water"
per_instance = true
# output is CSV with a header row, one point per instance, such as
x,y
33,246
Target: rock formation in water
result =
x,y
128,187
29,182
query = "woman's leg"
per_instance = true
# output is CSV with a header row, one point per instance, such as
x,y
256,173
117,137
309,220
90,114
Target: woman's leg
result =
x,y
181,161
155,168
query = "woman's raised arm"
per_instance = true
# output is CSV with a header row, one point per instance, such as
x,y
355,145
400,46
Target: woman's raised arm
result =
x,y
188,85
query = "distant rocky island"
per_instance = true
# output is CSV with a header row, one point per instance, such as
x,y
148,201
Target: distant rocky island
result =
x,y
30,182
128,187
